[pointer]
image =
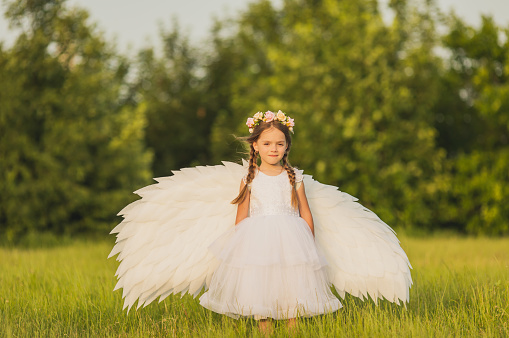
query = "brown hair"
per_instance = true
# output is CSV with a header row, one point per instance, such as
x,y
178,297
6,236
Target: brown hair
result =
x,y
253,156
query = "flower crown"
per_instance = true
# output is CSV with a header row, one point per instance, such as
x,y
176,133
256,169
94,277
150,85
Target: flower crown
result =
x,y
269,116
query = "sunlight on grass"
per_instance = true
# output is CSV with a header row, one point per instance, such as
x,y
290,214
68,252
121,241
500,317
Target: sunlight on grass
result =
x,y
461,287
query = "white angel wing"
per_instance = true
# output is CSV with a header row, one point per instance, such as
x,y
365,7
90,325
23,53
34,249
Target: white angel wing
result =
x,y
163,240
363,252
162,243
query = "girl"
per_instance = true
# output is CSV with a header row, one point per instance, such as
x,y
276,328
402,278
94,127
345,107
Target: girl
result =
x,y
273,256
270,266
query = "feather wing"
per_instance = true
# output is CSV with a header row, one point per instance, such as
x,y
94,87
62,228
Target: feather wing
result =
x,y
364,254
162,241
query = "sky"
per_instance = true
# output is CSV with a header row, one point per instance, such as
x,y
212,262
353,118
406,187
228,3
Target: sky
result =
x,y
135,24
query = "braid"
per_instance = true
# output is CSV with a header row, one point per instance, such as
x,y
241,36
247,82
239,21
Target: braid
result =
x,y
250,176
252,165
291,177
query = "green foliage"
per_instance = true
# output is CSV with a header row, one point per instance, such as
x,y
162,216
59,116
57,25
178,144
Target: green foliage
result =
x,y
378,113
476,127
71,143
422,140
480,205
360,92
172,92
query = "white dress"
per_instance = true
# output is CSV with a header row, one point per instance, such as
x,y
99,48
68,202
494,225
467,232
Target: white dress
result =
x,y
270,265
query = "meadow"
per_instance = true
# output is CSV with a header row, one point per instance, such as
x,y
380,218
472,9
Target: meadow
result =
x,y
461,288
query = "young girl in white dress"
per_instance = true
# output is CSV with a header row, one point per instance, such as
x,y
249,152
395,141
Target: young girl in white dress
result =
x,y
270,266
272,252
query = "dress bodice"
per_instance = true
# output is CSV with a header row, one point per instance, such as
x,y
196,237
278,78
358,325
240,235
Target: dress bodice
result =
x,y
272,195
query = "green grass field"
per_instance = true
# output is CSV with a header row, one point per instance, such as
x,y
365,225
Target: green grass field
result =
x,y
461,288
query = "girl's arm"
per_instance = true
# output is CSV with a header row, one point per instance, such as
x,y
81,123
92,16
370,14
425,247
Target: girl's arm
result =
x,y
243,208
305,212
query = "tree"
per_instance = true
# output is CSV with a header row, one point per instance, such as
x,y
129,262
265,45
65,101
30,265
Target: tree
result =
x,y
173,92
475,127
359,90
72,139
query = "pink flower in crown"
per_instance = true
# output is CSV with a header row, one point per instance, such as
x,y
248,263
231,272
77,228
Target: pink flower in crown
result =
x,y
269,116
290,122
250,122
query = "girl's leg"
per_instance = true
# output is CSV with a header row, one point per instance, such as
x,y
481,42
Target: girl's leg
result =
x,y
265,326
291,324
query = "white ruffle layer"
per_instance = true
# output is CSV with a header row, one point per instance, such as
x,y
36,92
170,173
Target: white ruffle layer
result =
x,y
270,267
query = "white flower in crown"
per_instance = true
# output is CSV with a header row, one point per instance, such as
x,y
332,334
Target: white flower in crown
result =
x,y
269,116
281,116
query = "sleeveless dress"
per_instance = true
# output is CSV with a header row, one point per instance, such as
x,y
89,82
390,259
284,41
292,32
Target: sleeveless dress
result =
x,y
269,263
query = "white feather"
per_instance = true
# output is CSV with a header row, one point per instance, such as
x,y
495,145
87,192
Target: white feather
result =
x,y
369,259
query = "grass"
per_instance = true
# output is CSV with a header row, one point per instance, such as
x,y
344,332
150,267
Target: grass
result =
x,y
461,288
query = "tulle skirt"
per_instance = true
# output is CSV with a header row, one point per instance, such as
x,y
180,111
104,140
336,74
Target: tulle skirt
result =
x,y
269,267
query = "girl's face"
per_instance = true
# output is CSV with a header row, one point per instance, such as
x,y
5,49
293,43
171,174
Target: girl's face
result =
x,y
271,145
